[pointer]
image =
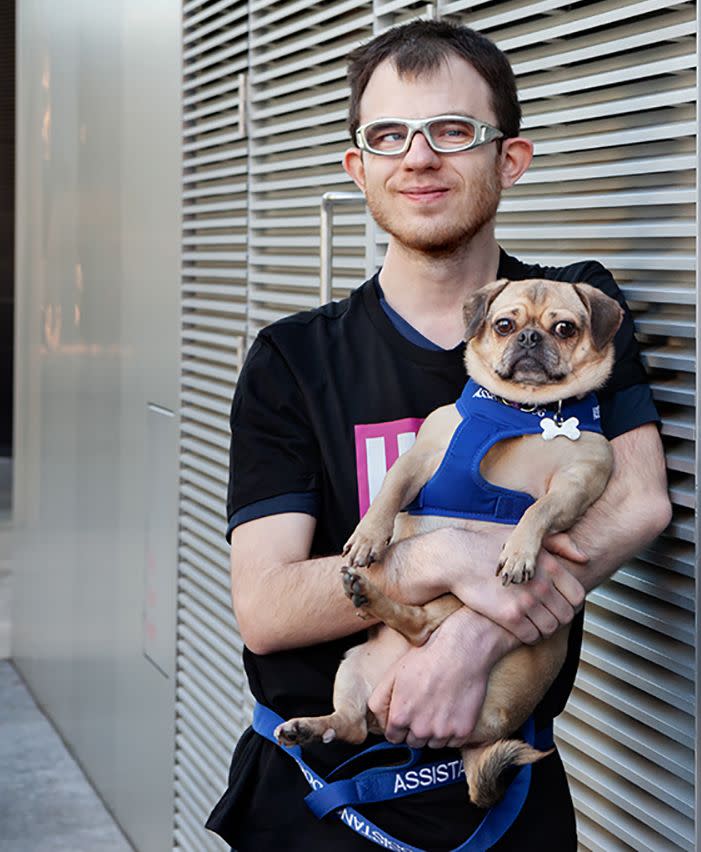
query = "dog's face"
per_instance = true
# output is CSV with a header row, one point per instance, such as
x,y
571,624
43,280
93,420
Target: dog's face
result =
x,y
539,341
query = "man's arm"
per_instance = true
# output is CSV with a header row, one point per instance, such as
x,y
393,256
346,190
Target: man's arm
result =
x,y
283,599
435,693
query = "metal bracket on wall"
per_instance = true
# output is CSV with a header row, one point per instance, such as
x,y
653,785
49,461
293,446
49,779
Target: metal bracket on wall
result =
x,y
329,200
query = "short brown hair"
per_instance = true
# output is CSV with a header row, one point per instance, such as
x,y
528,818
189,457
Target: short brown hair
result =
x,y
420,47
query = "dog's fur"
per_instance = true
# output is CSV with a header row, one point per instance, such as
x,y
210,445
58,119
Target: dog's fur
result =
x,y
533,342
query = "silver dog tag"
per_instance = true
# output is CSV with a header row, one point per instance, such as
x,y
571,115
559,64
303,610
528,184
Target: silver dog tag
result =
x,y
567,429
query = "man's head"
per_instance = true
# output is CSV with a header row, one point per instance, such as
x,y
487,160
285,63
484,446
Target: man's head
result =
x,y
430,200
419,49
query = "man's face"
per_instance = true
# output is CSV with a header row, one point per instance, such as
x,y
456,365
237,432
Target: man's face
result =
x,y
431,202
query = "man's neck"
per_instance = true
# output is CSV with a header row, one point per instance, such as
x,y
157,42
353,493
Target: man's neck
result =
x,y
429,292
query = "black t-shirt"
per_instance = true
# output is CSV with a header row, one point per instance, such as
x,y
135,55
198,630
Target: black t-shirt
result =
x,y
323,406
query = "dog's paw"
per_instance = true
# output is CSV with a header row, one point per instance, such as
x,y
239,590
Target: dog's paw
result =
x,y
516,567
365,546
355,585
300,732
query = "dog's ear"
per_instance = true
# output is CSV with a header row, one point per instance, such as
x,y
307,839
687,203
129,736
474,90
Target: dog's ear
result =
x,y
477,307
605,314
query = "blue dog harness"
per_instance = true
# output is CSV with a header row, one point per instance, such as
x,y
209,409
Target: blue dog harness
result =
x,y
458,489
383,783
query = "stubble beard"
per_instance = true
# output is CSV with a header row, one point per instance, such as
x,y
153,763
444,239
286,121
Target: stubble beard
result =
x,y
439,238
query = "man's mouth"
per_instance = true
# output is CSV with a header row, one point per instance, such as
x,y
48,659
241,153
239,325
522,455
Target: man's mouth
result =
x,y
424,194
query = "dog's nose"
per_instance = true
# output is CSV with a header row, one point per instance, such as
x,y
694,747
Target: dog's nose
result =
x,y
529,338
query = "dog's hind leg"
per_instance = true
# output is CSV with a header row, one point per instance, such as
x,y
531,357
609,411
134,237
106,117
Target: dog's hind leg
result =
x,y
415,623
351,693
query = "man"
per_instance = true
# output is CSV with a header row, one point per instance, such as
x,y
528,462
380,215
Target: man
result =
x,y
319,391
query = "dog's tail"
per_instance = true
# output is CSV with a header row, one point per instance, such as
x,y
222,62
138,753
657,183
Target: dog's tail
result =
x,y
486,768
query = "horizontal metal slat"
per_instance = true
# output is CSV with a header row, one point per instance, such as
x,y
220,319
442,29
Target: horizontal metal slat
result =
x,y
202,570
642,740
217,438
222,390
201,465
647,644
210,548
620,167
593,16
222,661
201,490
616,820
189,693
189,659
662,785
623,106
214,520
645,611
195,33
218,422
645,808
664,688
616,138
202,401
623,44
665,586
212,9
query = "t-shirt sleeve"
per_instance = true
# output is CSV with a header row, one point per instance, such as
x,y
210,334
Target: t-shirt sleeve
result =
x,y
273,452
626,399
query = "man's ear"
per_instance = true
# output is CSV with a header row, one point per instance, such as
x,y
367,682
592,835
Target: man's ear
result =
x,y
354,166
516,155
605,314
477,306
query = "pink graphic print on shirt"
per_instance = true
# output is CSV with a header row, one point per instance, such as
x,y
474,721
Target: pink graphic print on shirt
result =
x,y
377,447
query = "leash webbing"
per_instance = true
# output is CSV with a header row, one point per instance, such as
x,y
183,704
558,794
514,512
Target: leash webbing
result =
x,y
386,783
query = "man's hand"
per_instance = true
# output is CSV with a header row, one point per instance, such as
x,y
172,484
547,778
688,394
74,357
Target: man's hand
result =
x,y
531,611
434,694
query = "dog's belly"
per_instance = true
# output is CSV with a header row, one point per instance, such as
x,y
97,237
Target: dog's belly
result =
x,y
520,680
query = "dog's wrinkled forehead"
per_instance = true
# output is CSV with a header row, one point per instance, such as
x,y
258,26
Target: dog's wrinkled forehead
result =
x,y
540,301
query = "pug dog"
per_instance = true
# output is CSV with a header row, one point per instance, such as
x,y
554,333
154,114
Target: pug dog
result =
x,y
539,347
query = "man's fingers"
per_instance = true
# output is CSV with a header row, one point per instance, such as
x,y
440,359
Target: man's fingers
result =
x,y
543,620
561,544
566,584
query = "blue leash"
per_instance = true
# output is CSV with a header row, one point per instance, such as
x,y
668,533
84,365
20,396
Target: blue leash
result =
x,y
385,783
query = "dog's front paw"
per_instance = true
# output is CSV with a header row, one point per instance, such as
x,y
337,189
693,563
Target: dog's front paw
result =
x,y
357,588
516,567
367,545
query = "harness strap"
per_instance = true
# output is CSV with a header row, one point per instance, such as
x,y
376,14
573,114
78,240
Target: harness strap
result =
x,y
385,783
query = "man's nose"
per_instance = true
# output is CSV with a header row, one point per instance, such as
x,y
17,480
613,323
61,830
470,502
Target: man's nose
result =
x,y
420,153
529,338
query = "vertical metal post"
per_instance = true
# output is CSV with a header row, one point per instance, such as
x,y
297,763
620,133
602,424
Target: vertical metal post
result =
x,y
328,201
697,437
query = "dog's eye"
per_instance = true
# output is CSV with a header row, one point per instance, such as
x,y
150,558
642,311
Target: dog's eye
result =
x,y
504,326
564,329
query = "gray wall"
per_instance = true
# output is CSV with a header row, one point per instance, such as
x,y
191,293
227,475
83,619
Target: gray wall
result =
x,y
97,253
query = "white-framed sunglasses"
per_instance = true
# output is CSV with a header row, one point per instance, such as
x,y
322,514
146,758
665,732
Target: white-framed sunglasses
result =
x,y
445,134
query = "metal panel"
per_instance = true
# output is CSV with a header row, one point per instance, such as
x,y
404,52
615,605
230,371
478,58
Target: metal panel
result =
x,y
98,207
609,92
212,696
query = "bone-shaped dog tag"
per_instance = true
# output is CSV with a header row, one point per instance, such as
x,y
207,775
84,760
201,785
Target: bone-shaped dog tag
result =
x,y
568,429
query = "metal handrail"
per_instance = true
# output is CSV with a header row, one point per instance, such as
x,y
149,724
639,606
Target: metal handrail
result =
x,y
329,200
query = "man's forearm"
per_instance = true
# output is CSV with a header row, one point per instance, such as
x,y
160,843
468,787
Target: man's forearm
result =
x,y
632,512
288,602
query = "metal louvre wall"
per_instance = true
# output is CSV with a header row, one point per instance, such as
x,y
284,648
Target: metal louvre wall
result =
x,y
211,698
609,93
609,97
